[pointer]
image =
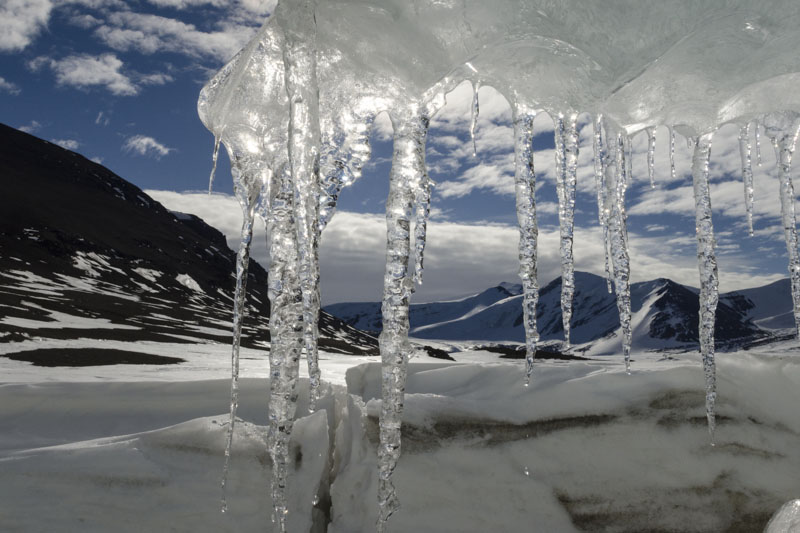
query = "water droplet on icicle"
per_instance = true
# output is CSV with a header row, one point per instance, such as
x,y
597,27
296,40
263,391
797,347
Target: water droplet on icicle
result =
x,y
525,187
745,149
707,265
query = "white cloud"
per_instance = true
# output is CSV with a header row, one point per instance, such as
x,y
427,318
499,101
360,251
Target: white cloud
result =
x,y
147,146
8,87
21,21
97,159
69,144
156,79
30,128
148,34
462,258
106,70
85,71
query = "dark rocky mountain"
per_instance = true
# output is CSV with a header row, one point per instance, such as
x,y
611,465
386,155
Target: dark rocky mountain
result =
x,y
665,314
85,254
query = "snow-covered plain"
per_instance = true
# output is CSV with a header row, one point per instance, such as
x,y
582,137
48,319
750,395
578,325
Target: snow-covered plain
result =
x,y
585,447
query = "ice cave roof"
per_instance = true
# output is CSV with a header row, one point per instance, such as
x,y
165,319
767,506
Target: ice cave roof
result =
x,y
685,63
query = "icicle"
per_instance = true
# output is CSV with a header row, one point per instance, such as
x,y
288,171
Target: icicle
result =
x,y
616,182
745,149
247,187
286,336
293,241
628,159
672,153
422,202
213,164
408,168
651,156
299,57
344,153
600,180
474,121
783,131
758,142
707,264
566,177
525,186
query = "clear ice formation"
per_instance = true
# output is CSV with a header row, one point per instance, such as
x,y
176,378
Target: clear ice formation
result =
x,y
525,186
566,152
707,264
294,110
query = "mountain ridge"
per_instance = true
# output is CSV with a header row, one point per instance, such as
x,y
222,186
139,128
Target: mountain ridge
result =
x,y
84,253
664,315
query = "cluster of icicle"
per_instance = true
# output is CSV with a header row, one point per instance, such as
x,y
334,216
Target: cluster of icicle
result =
x,y
296,196
290,200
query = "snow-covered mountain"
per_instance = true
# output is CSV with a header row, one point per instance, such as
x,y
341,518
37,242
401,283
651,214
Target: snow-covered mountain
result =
x,y
85,254
665,314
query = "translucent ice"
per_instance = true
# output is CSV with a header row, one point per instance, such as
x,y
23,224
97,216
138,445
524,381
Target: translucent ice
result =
x,y
707,264
525,186
566,131
295,107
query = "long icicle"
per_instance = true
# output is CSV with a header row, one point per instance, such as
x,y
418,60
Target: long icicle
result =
x,y
757,128
651,156
286,338
566,133
672,172
422,203
474,117
408,167
707,265
299,57
600,187
247,189
525,187
784,150
616,187
213,163
745,151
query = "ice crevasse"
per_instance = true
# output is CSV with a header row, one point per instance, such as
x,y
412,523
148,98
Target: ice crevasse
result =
x,y
294,111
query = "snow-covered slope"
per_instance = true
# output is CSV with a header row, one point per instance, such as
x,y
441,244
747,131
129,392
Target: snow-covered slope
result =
x,y
665,314
769,306
85,254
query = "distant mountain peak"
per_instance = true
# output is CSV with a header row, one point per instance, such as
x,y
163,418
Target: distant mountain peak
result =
x,y
513,289
665,314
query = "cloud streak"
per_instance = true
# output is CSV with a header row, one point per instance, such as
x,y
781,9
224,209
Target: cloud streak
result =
x,y
146,146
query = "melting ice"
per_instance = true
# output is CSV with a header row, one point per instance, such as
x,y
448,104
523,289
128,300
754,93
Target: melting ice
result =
x,y
294,110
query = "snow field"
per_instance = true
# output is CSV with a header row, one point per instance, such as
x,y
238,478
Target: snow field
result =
x,y
585,447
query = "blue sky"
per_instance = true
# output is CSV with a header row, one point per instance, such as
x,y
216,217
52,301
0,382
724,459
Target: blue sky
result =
x,y
118,82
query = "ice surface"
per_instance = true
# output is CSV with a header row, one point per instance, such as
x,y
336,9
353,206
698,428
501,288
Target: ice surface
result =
x,y
786,519
296,105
